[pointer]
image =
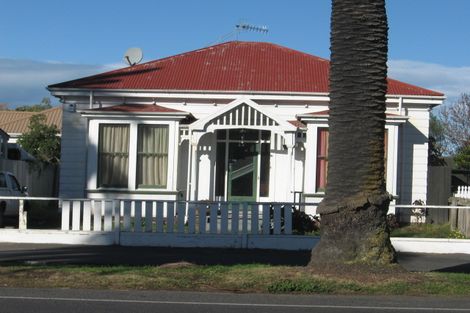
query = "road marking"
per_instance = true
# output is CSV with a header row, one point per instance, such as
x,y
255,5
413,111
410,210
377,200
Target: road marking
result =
x,y
306,306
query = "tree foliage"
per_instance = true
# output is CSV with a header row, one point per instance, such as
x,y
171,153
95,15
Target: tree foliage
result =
x,y
462,158
436,145
455,120
44,105
41,141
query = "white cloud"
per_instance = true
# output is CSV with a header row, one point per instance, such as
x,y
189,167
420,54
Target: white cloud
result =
x,y
452,81
24,82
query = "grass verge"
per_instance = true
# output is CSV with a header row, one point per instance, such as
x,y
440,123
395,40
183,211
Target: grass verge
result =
x,y
237,278
423,230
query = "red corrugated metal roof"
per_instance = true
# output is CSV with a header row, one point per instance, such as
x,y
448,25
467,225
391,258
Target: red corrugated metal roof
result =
x,y
136,108
231,66
326,113
298,124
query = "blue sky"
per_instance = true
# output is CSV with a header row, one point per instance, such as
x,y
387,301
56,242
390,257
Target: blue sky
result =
x,y
44,42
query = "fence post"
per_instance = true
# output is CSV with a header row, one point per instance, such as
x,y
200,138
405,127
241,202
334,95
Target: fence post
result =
x,y
288,219
23,216
277,219
65,215
76,210
453,216
266,219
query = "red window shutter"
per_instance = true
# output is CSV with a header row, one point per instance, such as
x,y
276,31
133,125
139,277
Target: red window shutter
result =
x,y
322,159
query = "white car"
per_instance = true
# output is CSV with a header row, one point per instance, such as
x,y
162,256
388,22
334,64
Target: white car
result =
x,y
9,187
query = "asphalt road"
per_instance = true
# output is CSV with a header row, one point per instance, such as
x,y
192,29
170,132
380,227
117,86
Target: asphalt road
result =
x,y
117,255
72,301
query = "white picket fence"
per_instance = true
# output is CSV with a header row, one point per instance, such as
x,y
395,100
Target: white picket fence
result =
x,y
177,217
191,224
181,224
463,192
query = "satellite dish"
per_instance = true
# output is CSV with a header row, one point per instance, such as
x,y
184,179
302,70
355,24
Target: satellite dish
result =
x,y
133,56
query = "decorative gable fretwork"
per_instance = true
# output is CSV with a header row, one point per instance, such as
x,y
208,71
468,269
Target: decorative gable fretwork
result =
x,y
244,115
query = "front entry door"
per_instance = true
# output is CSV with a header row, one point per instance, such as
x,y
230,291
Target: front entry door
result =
x,y
242,171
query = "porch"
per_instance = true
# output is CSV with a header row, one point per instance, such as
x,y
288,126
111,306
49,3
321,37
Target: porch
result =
x,y
243,152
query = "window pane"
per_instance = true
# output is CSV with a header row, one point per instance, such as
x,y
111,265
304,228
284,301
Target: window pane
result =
x,y
221,134
385,153
265,135
264,170
152,156
16,185
220,169
113,155
243,134
322,159
3,181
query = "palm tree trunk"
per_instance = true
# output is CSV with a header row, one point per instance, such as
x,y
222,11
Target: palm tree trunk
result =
x,y
353,212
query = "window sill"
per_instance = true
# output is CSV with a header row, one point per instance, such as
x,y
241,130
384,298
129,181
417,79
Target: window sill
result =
x,y
316,194
138,191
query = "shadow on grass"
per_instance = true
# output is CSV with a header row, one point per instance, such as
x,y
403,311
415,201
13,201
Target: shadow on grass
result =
x,y
117,255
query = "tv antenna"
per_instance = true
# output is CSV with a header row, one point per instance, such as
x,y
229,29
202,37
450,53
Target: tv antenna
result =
x,y
133,56
248,27
242,27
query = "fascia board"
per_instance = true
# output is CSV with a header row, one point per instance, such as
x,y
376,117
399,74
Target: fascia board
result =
x,y
175,116
215,94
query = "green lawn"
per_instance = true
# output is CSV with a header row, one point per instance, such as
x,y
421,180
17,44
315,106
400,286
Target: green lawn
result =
x,y
238,278
423,230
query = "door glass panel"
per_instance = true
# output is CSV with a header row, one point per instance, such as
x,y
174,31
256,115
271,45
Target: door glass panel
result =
x,y
242,169
242,186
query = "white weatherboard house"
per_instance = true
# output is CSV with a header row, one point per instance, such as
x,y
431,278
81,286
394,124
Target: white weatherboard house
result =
x,y
238,121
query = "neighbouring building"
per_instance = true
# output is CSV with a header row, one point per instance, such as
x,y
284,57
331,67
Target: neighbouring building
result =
x,y
238,121
15,123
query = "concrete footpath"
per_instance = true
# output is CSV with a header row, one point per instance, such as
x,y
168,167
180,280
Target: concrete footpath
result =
x,y
118,255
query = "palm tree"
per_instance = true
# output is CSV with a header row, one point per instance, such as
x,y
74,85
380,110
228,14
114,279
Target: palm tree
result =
x,y
353,212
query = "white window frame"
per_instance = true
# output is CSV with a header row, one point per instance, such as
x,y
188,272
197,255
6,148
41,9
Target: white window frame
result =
x,y
93,142
311,158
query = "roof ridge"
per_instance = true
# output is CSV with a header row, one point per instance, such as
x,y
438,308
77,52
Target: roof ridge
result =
x,y
229,66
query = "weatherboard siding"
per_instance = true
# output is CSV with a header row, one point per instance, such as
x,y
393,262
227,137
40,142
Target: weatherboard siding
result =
x,y
414,157
73,155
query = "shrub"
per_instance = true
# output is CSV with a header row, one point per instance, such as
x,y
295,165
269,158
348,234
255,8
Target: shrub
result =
x,y
392,221
456,234
303,223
